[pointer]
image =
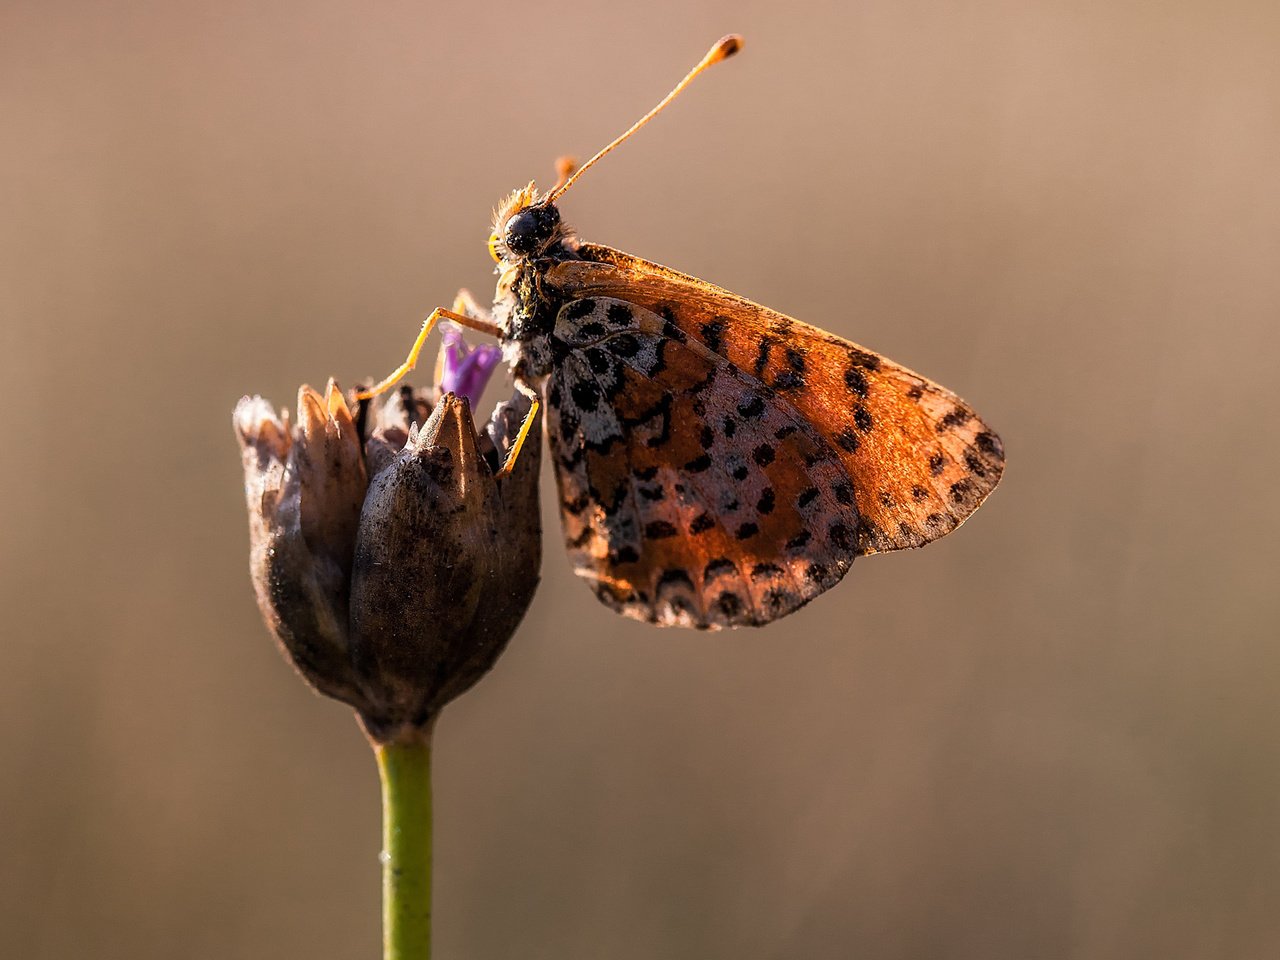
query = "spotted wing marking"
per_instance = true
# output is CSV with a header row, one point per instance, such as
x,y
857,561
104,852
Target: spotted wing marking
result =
x,y
688,497
921,460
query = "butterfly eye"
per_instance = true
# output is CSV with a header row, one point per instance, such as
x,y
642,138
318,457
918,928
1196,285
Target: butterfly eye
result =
x,y
530,229
493,247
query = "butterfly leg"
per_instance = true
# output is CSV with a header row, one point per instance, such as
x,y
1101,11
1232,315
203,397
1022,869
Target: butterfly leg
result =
x,y
534,404
439,313
467,305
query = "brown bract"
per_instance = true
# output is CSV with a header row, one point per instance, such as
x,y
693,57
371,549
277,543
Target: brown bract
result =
x,y
388,559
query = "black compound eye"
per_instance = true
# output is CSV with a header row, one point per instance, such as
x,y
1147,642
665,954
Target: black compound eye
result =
x,y
530,229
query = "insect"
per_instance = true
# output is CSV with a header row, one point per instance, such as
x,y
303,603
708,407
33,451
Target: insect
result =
x,y
718,464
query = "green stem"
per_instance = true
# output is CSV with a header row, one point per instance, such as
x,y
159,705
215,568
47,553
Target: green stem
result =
x,y
405,768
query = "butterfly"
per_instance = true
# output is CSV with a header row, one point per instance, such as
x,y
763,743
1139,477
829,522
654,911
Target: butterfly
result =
x,y
718,464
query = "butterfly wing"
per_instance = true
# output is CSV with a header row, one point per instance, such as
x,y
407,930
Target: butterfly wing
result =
x,y
919,458
689,497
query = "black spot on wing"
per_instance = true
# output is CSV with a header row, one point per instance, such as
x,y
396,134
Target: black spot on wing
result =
x,y
659,530
763,571
625,345
841,536
718,567
713,334
762,356
729,604
701,523
955,418
619,314
863,358
799,541
856,381
599,361
846,439
699,464
585,394
989,444
675,576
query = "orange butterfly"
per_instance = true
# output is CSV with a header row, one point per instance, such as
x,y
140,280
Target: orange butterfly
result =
x,y
718,463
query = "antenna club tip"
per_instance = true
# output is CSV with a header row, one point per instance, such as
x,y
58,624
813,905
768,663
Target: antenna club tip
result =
x,y
726,48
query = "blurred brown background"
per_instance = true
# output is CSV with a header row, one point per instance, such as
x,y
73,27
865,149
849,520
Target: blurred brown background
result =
x,y
1053,734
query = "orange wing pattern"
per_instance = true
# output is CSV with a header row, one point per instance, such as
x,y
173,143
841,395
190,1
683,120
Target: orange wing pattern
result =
x,y
919,458
688,495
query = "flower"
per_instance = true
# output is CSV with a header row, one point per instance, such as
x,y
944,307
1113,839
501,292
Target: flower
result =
x,y
389,558
465,369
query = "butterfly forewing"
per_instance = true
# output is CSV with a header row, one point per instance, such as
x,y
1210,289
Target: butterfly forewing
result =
x,y
919,459
688,495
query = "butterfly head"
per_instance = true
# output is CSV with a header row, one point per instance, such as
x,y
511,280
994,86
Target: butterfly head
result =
x,y
524,227
531,230
528,236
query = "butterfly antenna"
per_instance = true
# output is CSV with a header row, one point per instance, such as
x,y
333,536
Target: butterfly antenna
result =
x,y
726,48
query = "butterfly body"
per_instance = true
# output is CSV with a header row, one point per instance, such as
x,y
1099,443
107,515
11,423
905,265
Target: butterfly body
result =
x,y
718,463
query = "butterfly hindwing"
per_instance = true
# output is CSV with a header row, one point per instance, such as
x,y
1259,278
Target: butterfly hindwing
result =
x,y
688,495
920,460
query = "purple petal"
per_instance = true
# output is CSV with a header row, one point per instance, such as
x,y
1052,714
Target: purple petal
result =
x,y
466,369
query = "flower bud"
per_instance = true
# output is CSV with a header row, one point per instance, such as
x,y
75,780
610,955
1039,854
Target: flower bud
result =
x,y
445,567
391,561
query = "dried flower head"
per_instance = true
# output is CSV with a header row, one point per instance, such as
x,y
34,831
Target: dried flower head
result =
x,y
389,558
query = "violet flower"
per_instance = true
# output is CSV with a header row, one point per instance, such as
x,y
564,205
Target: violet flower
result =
x,y
465,369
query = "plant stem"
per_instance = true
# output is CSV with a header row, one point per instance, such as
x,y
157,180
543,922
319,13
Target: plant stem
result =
x,y
405,769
